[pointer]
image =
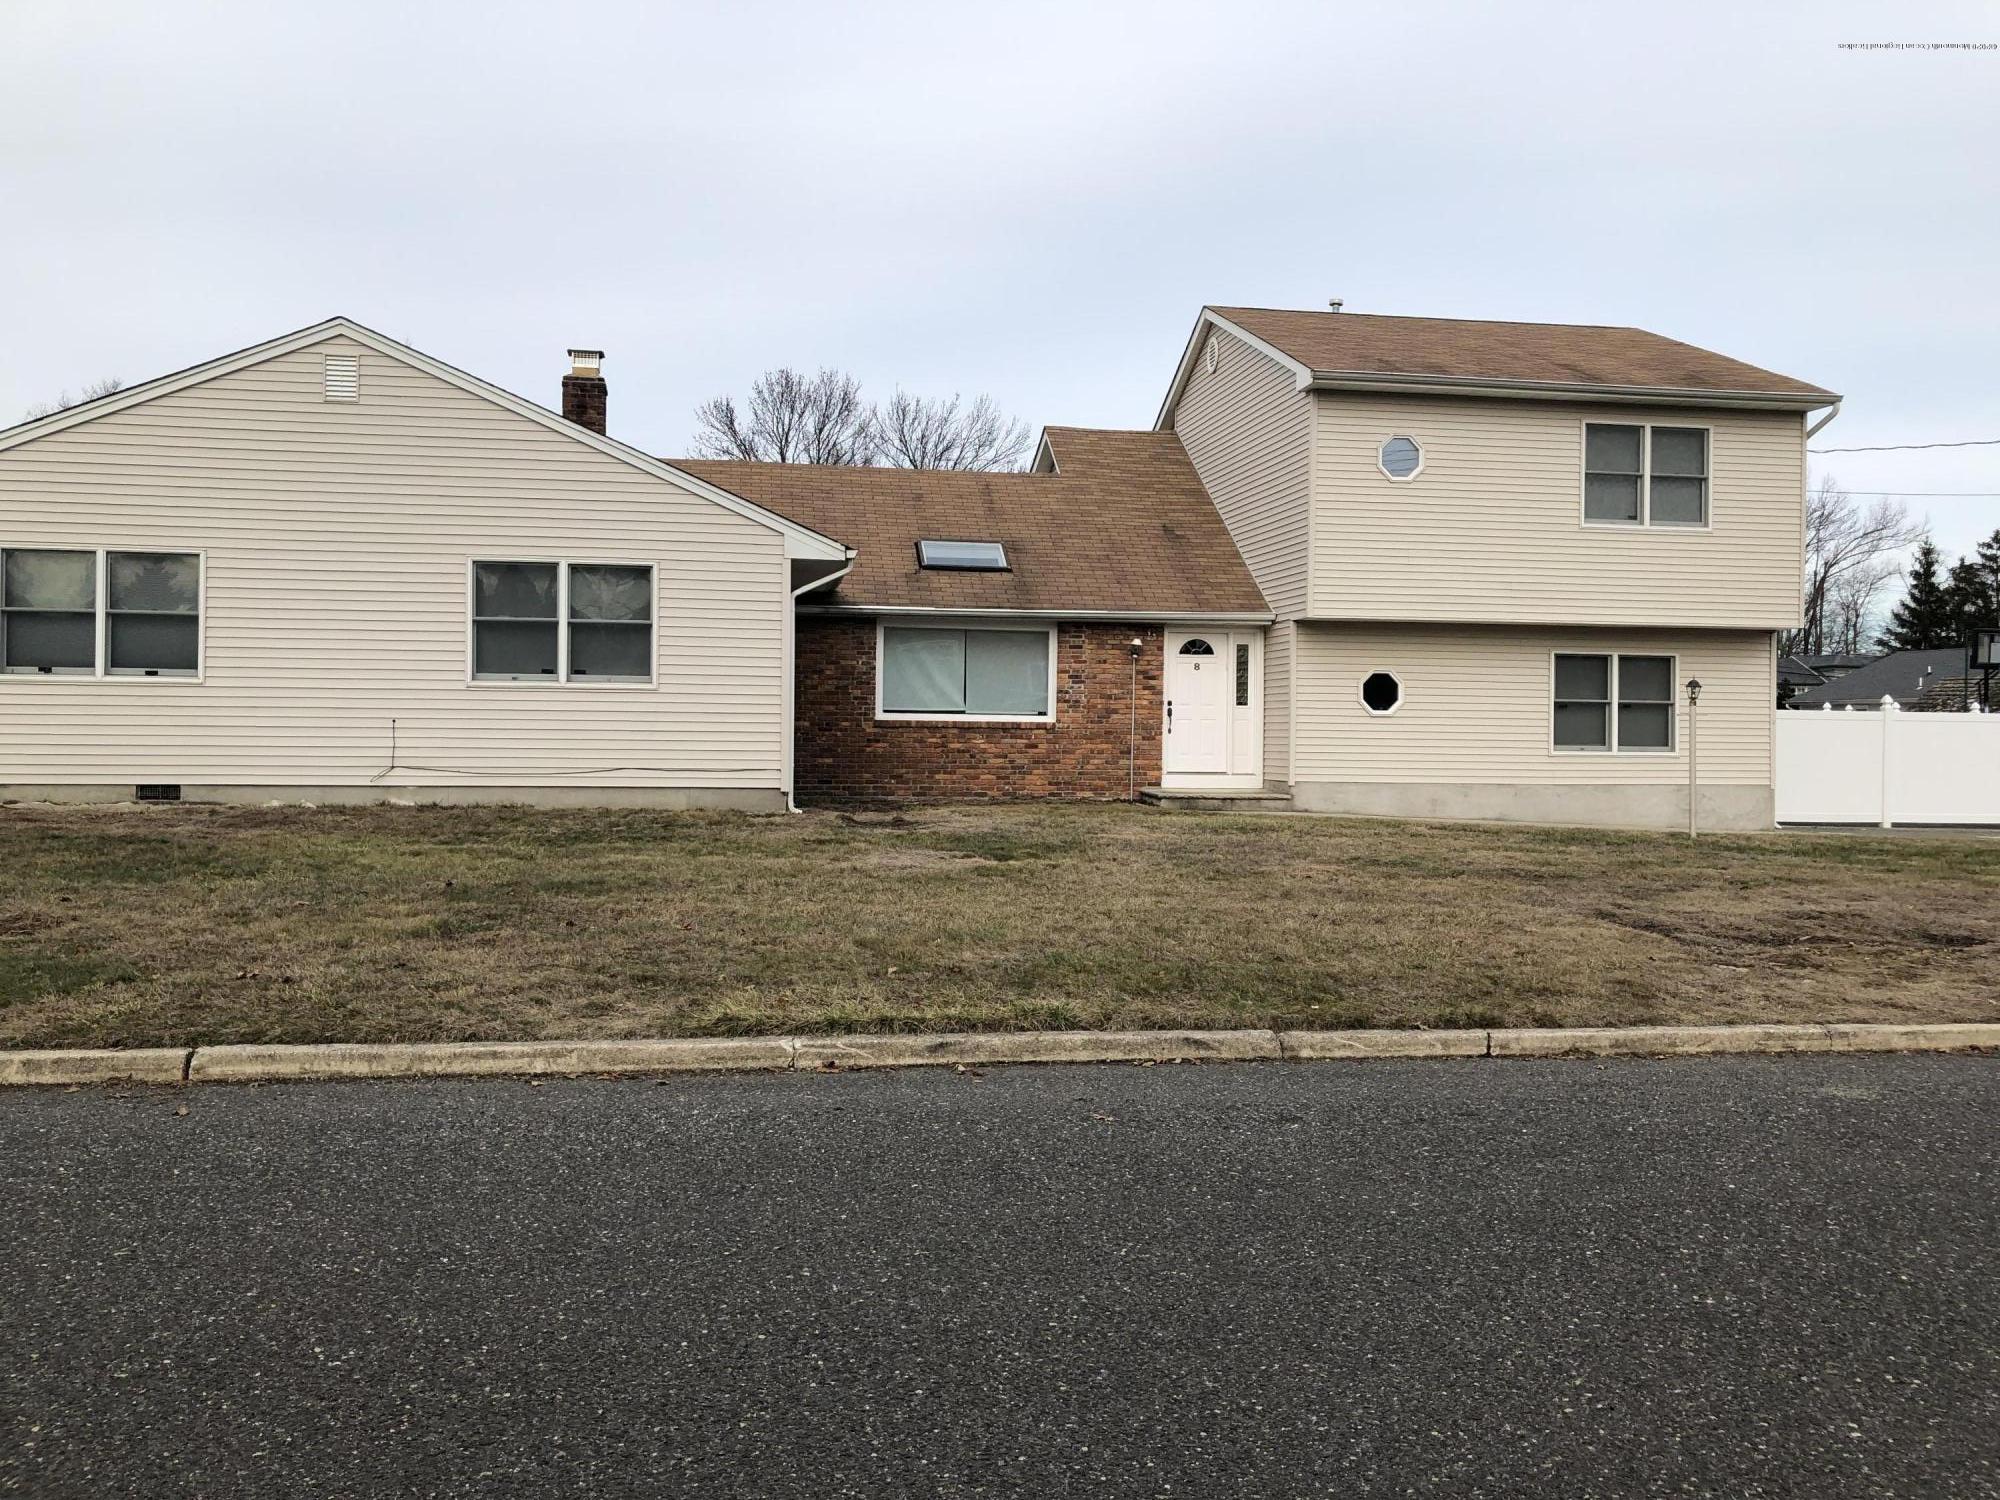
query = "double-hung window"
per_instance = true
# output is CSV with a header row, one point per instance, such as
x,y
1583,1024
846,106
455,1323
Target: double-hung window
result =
x,y
562,622
75,613
1605,702
1635,474
977,674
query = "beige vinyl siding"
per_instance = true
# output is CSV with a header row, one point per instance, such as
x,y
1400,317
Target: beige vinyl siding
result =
x,y
1248,430
338,536
1477,706
1492,528
1278,703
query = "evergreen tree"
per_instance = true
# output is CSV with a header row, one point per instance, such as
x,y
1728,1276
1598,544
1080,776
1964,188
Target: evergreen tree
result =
x,y
1924,621
1973,597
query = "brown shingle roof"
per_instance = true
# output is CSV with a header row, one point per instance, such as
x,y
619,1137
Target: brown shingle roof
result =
x,y
1123,526
1528,353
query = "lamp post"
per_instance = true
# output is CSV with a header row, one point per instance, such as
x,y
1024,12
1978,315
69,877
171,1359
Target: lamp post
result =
x,y
1694,697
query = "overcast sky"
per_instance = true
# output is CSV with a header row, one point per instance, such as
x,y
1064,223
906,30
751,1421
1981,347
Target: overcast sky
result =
x,y
1031,201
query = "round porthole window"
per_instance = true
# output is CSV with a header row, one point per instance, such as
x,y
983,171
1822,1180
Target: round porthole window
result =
x,y
1381,693
1401,458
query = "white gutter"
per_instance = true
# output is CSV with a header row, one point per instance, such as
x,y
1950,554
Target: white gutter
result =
x,y
792,671
1136,616
1557,390
1813,430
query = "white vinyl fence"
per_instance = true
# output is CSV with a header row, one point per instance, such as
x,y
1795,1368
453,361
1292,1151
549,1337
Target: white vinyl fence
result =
x,y
1887,767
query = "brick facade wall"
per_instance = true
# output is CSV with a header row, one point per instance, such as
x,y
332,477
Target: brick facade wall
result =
x,y
843,754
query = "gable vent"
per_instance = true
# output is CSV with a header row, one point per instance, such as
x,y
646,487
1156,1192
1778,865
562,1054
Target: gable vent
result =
x,y
343,377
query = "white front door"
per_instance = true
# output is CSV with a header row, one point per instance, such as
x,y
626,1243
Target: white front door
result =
x,y
1197,714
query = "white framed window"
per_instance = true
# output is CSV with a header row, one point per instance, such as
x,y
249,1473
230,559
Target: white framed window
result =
x,y
973,672
1645,474
964,557
1400,458
563,622
1381,692
96,612
1604,701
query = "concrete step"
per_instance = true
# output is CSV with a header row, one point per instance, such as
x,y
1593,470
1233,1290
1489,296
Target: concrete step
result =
x,y
1215,799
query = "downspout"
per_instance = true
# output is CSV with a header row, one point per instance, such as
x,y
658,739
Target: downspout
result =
x,y
792,676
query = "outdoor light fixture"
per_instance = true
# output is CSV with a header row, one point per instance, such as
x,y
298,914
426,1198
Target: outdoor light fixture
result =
x,y
1137,645
1694,697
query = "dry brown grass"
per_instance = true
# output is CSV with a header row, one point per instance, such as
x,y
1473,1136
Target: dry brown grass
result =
x,y
184,926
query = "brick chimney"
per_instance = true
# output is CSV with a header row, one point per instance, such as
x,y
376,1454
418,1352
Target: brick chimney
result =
x,y
585,395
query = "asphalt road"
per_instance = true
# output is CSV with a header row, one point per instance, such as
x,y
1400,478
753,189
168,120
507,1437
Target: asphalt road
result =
x,y
1741,1278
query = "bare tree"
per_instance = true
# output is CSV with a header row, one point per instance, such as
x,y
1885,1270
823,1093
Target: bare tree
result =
x,y
916,432
1851,552
790,418
64,401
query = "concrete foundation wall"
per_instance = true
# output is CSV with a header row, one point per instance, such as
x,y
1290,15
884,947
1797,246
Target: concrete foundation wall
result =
x,y
1721,808
735,799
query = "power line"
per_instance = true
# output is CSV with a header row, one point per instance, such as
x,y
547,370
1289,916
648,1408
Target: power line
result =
x,y
1907,447
1931,494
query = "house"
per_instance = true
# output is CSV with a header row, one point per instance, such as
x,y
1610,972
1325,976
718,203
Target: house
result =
x,y
1901,676
1832,664
1363,564
1497,553
1795,675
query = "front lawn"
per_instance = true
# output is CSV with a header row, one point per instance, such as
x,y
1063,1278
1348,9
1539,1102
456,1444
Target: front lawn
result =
x,y
186,925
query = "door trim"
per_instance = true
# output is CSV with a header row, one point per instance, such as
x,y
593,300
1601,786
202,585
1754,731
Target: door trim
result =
x,y
1243,740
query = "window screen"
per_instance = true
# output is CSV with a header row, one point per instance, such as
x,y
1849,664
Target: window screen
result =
x,y
48,611
611,622
153,613
1611,471
1645,702
1583,702
514,620
998,672
1677,483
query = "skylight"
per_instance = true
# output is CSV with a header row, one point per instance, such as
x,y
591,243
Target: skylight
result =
x,y
983,557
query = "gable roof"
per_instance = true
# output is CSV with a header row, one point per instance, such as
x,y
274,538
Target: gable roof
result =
x,y
1902,675
1121,529
800,541
1367,351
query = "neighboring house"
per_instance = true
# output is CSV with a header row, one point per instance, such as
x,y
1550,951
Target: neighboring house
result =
x,y
1836,664
1395,565
1795,676
1902,676
1497,553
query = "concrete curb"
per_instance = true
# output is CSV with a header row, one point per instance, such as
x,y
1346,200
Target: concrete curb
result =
x,y
140,1065
447,1059
1328,1046
266,1064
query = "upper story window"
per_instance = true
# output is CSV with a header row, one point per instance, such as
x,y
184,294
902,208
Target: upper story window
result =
x,y
1401,458
97,613
972,557
562,622
1637,474
926,672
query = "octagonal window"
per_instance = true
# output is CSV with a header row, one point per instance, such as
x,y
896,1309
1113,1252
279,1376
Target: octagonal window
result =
x,y
1401,458
1381,693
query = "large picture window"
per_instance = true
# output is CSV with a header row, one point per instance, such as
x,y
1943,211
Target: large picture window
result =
x,y
1605,702
1640,475
990,674
76,613
562,622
